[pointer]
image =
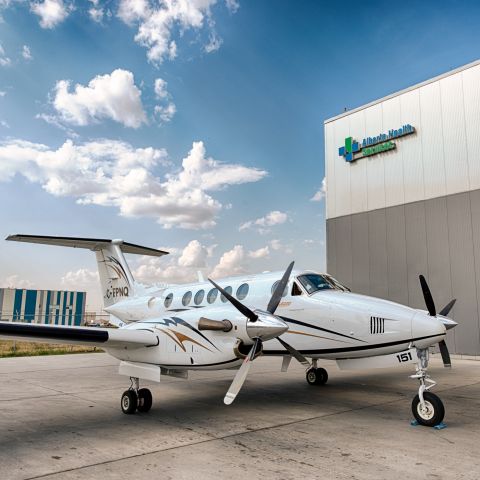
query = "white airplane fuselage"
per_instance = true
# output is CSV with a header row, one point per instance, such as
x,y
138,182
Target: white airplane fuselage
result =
x,y
329,323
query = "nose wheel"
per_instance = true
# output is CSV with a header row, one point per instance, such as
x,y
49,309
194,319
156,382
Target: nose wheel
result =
x,y
136,399
427,408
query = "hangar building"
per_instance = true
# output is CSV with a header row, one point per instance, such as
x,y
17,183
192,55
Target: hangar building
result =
x,y
403,198
42,306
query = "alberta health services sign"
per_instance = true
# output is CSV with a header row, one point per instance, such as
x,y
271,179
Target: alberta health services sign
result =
x,y
353,150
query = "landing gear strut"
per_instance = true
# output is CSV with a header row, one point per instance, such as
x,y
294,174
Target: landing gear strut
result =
x,y
136,398
427,408
316,376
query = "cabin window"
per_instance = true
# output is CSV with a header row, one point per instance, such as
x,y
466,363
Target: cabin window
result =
x,y
296,289
168,300
187,298
198,299
228,290
242,291
274,286
212,295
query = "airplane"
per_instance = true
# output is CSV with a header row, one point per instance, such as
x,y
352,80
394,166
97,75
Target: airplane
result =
x,y
227,324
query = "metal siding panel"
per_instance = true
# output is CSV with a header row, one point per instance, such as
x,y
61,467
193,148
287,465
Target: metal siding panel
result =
x,y
454,139
432,144
375,163
331,247
438,274
416,241
463,273
394,187
17,307
8,302
343,237
30,302
57,306
64,308
331,156
471,99
360,254
397,254
80,307
47,307
342,171
475,209
358,169
1,303
377,240
412,147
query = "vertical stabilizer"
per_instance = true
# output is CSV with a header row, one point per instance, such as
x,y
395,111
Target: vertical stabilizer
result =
x,y
116,279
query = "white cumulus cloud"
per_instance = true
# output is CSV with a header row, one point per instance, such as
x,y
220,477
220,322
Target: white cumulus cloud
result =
x,y
230,263
51,12
115,174
166,109
113,96
322,191
4,60
260,253
26,53
269,220
14,281
158,22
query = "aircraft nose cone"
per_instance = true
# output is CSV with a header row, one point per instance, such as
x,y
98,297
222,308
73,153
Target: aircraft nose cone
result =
x,y
427,329
267,326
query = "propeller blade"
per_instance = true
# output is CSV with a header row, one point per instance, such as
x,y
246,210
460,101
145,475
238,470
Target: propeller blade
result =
x,y
238,305
241,374
427,296
446,309
295,353
445,354
277,294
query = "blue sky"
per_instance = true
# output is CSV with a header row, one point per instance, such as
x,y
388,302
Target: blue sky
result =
x,y
100,102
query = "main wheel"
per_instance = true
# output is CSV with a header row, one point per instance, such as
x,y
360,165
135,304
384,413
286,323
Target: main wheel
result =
x,y
129,402
431,413
317,376
144,400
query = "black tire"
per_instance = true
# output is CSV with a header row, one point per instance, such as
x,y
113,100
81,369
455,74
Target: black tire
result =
x,y
144,400
129,402
317,376
434,413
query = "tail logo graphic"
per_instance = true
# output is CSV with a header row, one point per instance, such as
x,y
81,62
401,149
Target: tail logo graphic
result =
x,y
119,271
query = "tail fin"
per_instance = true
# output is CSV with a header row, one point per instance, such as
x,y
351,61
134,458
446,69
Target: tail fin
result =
x,y
115,276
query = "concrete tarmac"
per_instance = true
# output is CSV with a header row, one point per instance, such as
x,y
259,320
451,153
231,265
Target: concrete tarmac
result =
x,y
60,418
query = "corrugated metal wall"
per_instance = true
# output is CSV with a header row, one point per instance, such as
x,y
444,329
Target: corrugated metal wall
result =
x,y
415,209
42,306
382,252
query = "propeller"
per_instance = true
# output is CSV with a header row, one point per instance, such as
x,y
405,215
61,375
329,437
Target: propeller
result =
x,y
261,326
427,295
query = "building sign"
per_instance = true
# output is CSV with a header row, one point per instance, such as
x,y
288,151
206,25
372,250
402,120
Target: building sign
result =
x,y
353,150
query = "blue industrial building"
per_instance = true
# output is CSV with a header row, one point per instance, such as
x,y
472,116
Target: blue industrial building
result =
x,y
42,306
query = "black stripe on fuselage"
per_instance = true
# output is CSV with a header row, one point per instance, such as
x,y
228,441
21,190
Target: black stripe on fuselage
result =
x,y
348,349
56,333
315,327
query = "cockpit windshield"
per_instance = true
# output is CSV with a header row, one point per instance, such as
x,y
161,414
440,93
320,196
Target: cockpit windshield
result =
x,y
313,282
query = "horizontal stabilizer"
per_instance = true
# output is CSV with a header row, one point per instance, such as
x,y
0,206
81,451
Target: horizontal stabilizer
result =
x,y
102,337
94,244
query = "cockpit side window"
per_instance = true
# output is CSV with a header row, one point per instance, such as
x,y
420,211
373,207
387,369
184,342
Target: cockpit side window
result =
x,y
337,284
296,290
312,282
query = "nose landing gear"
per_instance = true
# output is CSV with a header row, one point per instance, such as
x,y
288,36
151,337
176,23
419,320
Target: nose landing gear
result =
x,y
427,408
136,398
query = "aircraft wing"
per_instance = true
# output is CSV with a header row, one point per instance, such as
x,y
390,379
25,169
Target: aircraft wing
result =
x,y
100,337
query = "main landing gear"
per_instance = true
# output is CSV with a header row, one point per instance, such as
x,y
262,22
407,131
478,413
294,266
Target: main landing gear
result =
x,y
136,398
427,408
316,376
